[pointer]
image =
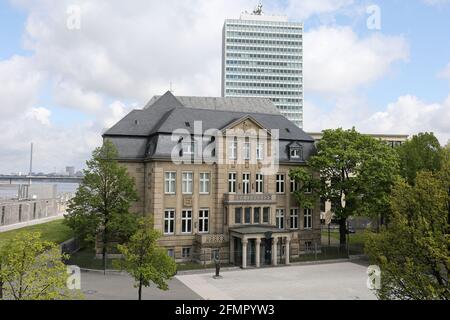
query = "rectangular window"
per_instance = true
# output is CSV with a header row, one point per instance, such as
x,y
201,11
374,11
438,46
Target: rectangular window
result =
x,y
280,183
185,253
256,215
187,182
246,149
238,215
170,182
246,183
171,253
203,221
248,215
259,183
294,186
232,182
186,221
294,219
295,153
188,148
232,149
260,151
308,189
169,221
280,218
266,215
307,219
204,182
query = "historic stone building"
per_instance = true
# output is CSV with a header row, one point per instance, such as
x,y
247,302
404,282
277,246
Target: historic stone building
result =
x,y
213,173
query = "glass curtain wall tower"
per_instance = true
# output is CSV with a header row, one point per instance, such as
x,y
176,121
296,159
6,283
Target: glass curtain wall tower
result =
x,y
262,57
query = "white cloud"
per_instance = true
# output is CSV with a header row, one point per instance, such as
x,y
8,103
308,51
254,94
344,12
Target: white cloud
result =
x,y
72,96
337,61
445,73
408,115
305,8
41,115
19,85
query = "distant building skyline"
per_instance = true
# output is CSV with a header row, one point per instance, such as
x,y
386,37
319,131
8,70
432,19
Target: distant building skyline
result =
x,y
262,56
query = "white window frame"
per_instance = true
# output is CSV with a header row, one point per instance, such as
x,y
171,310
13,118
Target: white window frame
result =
x,y
247,150
260,151
169,216
185,182
205,182
295,153
279,218
307,219
294,186
186,217
308,189
232,182
259,181
293,216
169,178
280,183
203,220
232,149
246,183
188,148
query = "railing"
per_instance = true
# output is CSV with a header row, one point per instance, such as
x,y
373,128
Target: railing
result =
x,y
249,198
211,238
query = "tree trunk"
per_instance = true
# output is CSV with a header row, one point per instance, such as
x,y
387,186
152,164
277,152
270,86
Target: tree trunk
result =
x,y
342,232
140,290
104,251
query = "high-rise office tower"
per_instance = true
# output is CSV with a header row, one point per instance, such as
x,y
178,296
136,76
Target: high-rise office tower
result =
x,y
262,57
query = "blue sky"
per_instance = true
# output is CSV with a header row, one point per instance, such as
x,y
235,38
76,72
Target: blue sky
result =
x,y
66,87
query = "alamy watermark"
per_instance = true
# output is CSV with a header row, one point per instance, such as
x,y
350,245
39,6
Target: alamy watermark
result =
x,y
374,277
73,21
234,146
374,20
74,278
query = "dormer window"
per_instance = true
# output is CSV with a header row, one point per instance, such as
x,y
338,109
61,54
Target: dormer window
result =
x,y
295,151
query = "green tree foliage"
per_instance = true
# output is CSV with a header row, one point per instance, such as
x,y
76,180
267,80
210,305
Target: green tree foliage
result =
x,y
354,172
145,260
33,269
101,206
413,253
421,152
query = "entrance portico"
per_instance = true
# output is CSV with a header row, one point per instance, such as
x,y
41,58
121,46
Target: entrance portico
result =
x,y
259,245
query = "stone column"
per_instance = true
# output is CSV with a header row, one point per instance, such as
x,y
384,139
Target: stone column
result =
x,y
244,253
287,250
231,249
258,245
274,250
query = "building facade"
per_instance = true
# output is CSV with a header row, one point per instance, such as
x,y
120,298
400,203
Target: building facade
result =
x,y
262,57
235,201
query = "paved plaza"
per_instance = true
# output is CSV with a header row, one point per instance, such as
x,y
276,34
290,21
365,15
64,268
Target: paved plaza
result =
x,y
118,286
336,281
340,281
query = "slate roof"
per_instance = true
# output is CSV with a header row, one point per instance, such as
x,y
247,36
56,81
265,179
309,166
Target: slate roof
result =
x,y
237,104
147,133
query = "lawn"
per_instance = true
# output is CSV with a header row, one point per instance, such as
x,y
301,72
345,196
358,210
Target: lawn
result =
x,y
54,231
85,259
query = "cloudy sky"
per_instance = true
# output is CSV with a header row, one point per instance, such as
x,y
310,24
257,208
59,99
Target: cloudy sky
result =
x,y
61,86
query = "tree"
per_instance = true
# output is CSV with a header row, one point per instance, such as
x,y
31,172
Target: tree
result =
x,y
145,260
422,152
33,269
413,254
101,206
355,173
